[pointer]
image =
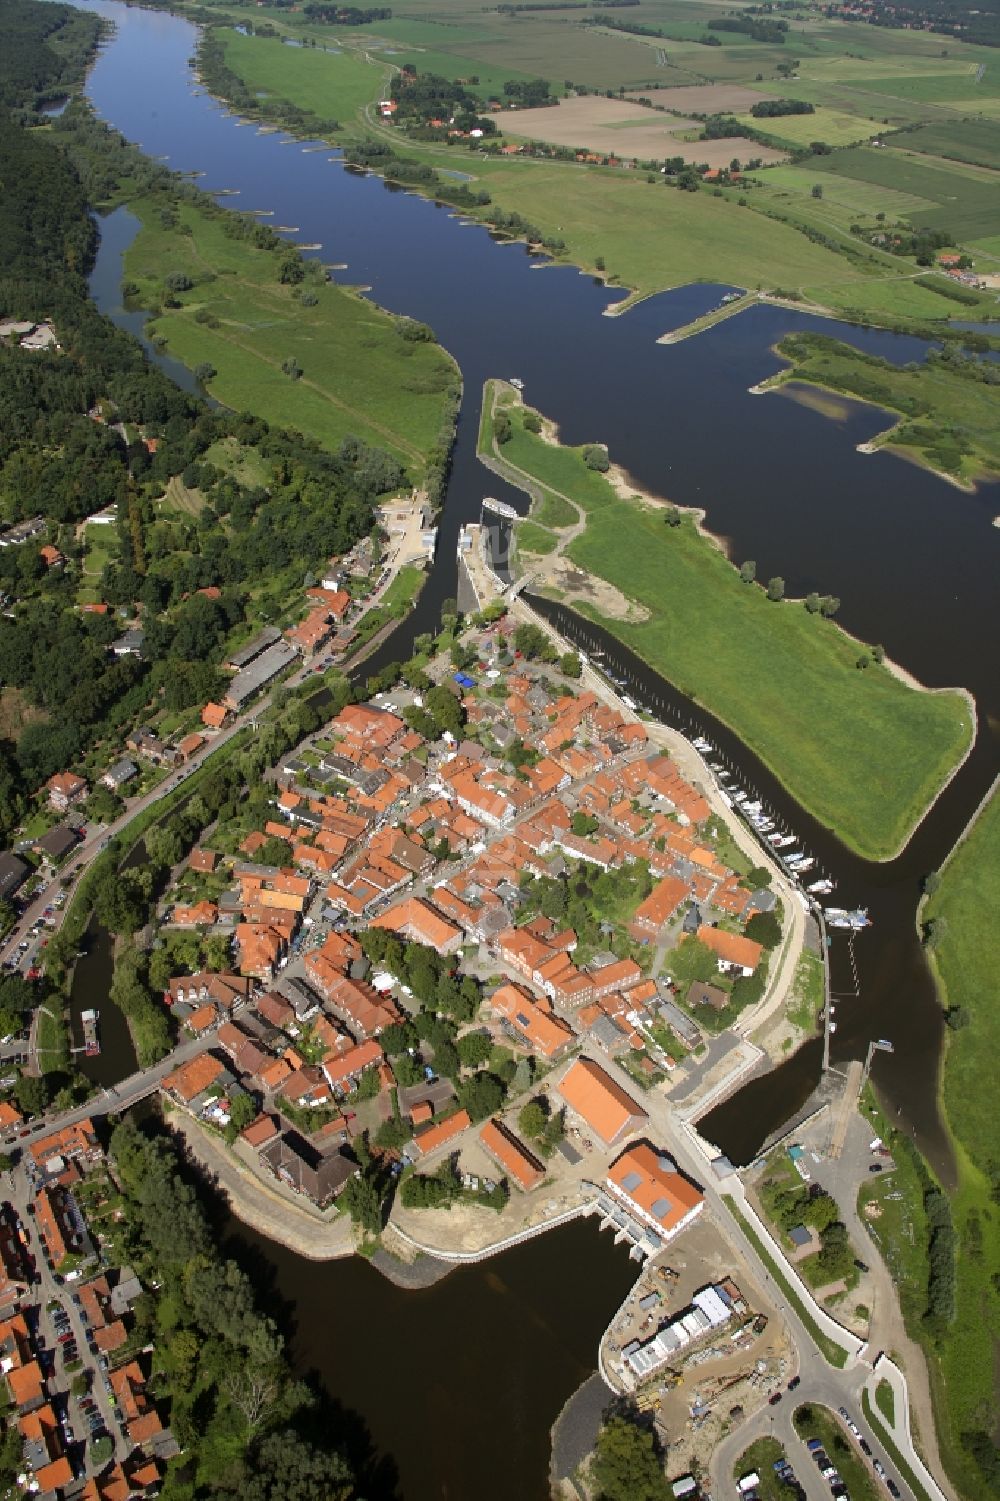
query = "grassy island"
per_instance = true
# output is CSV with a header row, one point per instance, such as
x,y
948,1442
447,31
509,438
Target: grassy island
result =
x,y
283,343
862,750
949,406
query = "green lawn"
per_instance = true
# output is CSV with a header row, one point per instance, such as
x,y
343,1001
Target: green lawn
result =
x,y
333,85
762,1457
404,588
967,960
948,420
101,543
885,1401
862,751
359,376
534,538
806,1000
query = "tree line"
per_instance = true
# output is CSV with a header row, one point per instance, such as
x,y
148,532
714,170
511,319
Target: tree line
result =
x,y
247,1427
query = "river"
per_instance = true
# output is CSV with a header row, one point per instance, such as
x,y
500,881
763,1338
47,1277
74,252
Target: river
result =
x,y
913,560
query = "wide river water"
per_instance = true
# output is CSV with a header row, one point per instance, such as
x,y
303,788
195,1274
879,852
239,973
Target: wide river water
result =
x,y
913,560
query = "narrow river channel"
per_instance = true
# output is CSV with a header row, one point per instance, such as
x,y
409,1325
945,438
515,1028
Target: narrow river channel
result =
x,y
914,561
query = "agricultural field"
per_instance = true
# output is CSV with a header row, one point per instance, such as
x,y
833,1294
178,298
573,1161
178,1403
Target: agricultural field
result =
x,y
704,99
772,671
857,200
975,141
358,376
334,85
829,125
652,238
963,205
895,298
959,86
623,128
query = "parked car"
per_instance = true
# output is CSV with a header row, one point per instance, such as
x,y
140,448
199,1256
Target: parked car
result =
x,y
876,1167
891,1486
795,1381
812,1444
865,1446
879,1468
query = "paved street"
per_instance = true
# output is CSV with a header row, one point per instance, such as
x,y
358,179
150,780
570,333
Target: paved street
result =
x,y
118,1097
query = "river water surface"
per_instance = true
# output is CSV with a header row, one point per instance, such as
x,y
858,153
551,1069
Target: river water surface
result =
x,y
914,561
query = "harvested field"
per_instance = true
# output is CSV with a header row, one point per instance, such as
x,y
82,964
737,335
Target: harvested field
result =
x,y
704,98
622,128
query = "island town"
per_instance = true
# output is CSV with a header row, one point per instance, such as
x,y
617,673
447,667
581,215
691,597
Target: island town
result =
x,y
468,964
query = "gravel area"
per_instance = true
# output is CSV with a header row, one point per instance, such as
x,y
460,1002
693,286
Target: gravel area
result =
x,y
575,1430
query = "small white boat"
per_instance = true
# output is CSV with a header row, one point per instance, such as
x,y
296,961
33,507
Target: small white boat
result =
x,y
801,866
839,917
517,384
820,888
629,703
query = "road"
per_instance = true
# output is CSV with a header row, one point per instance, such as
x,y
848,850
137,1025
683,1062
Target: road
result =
x,y
117,1097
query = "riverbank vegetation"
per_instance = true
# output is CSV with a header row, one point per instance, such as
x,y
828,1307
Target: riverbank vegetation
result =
x,y
863,751
245,1425
949,404
960,927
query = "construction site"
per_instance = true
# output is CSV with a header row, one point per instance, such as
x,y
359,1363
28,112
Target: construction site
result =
x,y
696,1344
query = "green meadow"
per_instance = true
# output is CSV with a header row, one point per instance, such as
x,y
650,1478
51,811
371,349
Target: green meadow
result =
x,y
864,752
333,85
359,376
